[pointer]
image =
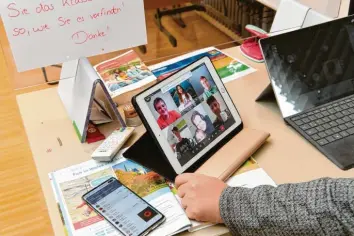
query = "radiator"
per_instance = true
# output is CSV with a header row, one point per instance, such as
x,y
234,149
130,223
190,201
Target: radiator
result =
x,y
236,14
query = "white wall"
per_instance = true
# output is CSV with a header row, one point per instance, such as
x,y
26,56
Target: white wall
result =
x,y
331,8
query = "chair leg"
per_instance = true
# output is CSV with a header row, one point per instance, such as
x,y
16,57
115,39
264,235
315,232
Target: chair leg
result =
x,y
171,38
45,74
177,18
44,71
142,48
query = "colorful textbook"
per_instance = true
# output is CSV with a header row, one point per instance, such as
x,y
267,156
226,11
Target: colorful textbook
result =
x,y
227,67
71,183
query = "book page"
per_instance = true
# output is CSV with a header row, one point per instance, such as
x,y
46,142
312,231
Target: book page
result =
x,y
124,73
71,183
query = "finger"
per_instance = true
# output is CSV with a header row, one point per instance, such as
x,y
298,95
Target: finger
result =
x,y
182,190
184,204
182,179
190,213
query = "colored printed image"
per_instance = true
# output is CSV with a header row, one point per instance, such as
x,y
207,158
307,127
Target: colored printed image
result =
x,y
228,68
81,215
124,73
140,180
250,164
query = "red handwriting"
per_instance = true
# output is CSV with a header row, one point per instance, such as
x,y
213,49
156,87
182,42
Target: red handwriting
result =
x,y
42,28
19,31
14,12
104,12
22,31
82,37
44,8
69,3
80,19
63,21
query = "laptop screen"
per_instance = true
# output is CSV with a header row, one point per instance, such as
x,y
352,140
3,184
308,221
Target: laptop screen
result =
x,y
311,66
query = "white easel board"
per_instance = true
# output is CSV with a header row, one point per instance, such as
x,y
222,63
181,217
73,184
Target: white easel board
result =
x,y
46,32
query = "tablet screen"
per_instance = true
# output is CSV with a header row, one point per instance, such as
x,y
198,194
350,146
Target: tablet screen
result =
x,y
191,113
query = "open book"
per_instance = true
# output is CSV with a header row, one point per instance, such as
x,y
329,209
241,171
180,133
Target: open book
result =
x,y
71,183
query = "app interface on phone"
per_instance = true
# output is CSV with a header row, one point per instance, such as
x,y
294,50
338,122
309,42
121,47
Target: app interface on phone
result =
x,y
129,213
191,113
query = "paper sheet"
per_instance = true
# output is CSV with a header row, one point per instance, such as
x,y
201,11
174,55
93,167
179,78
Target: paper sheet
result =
x,y
43,33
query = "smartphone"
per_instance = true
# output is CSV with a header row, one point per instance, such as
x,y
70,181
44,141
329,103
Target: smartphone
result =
x,y
122,208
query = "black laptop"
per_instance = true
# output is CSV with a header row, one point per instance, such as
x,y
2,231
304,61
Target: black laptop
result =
x,y
312,76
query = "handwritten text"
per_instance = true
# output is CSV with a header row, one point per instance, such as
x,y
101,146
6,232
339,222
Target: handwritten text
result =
x,y
82,37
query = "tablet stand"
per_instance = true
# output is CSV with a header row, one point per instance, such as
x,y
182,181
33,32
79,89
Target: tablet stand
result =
x,y
266,94
220,165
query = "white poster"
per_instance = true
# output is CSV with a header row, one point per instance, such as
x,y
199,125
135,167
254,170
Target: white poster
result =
x,y
46,32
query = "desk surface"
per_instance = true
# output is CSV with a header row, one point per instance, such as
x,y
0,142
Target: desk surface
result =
x,y
286,157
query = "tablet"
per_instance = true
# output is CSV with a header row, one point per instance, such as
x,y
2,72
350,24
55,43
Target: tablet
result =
x,y
188,114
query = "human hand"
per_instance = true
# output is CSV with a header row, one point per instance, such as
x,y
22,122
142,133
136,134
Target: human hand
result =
x,y
200,196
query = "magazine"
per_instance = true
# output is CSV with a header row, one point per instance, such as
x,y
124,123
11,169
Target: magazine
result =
x,y
227,67
71,183
124,73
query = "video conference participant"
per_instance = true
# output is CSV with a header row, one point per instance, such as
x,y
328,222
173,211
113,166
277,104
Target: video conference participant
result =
x,y
185,99
166,117
184,147
203,125
209,90
222,117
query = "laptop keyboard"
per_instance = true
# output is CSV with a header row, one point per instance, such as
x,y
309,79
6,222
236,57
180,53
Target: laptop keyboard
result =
x,y
328,123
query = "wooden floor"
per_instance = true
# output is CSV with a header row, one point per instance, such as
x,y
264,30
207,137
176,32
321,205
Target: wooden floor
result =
x,y
22,207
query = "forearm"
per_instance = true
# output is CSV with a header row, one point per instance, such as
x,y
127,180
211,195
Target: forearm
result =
x,y
320,207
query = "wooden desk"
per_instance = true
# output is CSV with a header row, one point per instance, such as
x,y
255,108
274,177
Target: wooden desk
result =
x,y
286,157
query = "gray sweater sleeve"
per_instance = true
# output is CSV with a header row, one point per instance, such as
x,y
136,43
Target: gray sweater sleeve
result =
x,y
320,207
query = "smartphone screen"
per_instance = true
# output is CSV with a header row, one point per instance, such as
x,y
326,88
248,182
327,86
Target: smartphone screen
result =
x,y
125,210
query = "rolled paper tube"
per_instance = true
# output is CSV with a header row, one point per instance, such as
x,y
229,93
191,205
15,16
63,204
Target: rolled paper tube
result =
x,y
131,117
